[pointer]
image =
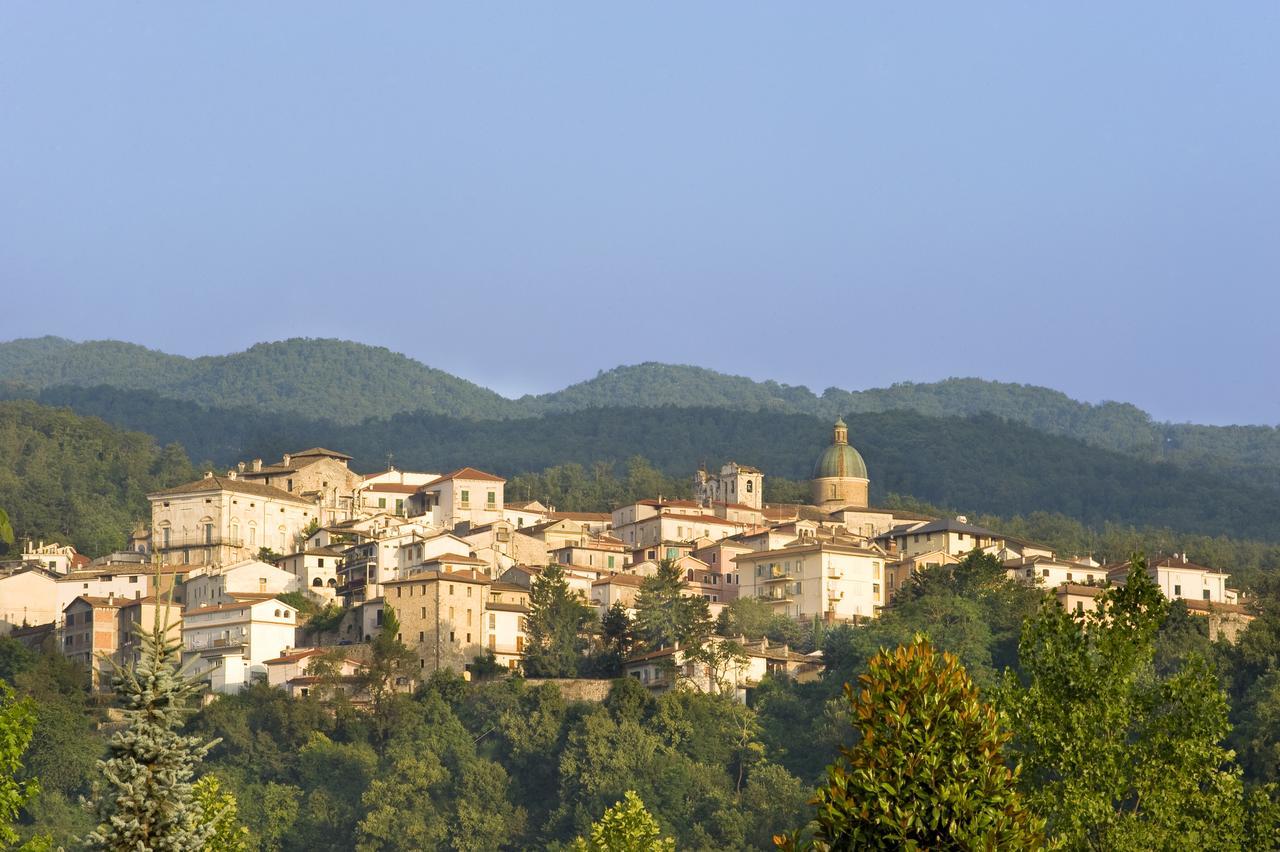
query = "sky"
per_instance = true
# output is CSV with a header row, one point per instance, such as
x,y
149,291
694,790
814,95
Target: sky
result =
x,y
1084,196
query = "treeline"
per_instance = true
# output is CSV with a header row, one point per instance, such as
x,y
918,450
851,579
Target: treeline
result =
x,y
980,464
348,383
76,479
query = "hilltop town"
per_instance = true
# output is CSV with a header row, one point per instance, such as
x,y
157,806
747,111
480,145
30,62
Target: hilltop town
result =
x,y
265,569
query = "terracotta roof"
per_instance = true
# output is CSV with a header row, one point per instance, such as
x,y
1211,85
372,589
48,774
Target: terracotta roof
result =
x,y
1212,606
706,519
502,606
455,557
580,516
807,547
319,451
504,586
97,602
293,656
468,576
226,483
230,606
1174,562
466,473
621,580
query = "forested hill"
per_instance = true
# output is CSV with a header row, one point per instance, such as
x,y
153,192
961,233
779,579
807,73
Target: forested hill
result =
x,y
76,479
349,382
335,379
980,464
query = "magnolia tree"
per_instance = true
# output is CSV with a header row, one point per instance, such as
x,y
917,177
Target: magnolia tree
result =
x,y
927,771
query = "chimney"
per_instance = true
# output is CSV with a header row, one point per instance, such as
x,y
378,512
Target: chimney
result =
x,y
240,466
257,465
231,474
208,474
286,458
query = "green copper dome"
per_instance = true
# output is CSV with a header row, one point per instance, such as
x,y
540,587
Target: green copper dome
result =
x,y
840,459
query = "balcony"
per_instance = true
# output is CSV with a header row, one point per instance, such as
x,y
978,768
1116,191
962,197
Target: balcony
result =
x,y
775,596
201,540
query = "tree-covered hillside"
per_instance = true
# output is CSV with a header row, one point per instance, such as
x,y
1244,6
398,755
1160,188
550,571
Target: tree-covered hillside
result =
x,y
349,382
76,479
976,464
335,379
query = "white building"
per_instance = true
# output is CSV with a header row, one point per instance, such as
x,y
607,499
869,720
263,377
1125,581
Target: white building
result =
x,y
228,645
224,585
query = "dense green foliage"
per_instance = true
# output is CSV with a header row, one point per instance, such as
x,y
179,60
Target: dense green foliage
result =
x,y
499,764
17,723
927,770
556,621
1119,755
348,382
144,798
77,480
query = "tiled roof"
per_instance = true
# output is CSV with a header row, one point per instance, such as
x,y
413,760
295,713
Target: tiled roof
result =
x,y
226,483
466,473
580,516
620,580
505,607
319,451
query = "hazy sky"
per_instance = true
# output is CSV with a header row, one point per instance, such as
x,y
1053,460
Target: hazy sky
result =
x,y
1083,195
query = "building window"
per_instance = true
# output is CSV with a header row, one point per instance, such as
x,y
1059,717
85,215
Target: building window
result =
x,y
382,502
491,499
289,483
1177,591
422,636
1206,594
750,486
1079,607
493,621
465,499
134,579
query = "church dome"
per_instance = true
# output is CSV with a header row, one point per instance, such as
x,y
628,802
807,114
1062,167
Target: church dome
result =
x,y
840,459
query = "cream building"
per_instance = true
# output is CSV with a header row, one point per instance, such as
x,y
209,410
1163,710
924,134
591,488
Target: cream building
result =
x,y
220,520
28,596
466,495
835,582
734,484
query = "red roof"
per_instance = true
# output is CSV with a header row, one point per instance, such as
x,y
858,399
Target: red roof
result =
x,y
466,473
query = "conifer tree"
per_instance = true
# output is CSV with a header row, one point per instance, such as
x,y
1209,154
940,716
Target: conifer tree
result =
x,y
144,801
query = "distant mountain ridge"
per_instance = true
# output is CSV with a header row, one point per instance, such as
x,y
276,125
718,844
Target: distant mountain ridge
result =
x,y
349,383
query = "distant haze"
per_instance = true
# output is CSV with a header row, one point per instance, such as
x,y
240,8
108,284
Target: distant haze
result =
x,y
826,194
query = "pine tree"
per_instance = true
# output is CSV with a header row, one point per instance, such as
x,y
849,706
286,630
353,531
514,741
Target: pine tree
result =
x,y
144,801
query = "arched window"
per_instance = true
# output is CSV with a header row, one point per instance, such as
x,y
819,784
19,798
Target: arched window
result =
x,y
317,582
332,583
277,613
750,486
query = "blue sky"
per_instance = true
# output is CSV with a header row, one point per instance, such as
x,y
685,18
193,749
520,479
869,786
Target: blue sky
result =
x,y
1085,197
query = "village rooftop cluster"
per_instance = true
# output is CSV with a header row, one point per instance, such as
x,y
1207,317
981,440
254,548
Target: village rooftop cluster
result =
x,y
456,560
